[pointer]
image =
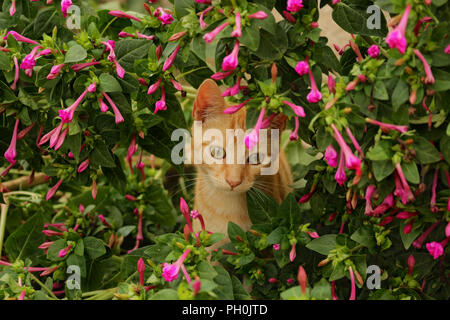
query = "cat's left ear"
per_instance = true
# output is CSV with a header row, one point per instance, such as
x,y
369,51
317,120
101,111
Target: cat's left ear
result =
x,y
208,102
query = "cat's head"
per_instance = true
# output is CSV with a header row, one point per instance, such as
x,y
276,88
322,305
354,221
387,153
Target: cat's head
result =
x,y
236,168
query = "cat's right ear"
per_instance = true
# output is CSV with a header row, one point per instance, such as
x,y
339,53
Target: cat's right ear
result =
x,y
209,101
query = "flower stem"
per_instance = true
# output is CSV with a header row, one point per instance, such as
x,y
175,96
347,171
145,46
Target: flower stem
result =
x,y
43,286
107,26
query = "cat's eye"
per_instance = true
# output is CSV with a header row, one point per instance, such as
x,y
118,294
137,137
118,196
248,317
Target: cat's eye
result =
x,y
256,158
217,152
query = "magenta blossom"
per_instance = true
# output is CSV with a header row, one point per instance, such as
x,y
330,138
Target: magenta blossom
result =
x,y
352,281
402,188
209,37
237,32
53,190
253,137
298,110
447,230
123,34
370,190
331,84
66,115
110,45
313,234
374,51
314,95
63,252
152,88
83,166
221,75
429,78
355,142
80,66
30,59
340,175
231,61
11,152
351,161
435,249
19,37
294,5
396,38
164,17
261,15
16,73
141,270
121,14
331,156
171,271
54,72
420,240
117,114
203,25
294,134
132,149
292,253
236,108
103,105
161,104
176,85
388,126
276,246
234,90
184,208
388,202
433,206
302,67
447,49
65,5
12,9
169,61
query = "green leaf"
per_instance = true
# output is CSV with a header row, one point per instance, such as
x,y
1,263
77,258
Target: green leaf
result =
x,y
182,7
322,290
380,151
23,243
101,156
409,238
165,294
411,172
234,230
272,47
380,91
4,61
290,210
425,151
324,244
365,236
239,292
382,169
116,176
444,146
53,250
75,53
400,94
224,290
129,50
250,36
261,207
108,83
94,247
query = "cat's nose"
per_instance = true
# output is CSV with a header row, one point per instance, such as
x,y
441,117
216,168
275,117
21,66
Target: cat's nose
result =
x,y
234,184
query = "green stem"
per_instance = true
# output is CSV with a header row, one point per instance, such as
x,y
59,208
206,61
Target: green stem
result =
x,y
108,25
189,72
4,208
356,248
50,292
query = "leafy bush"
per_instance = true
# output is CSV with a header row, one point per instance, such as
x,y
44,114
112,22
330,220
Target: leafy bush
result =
x,y
80,105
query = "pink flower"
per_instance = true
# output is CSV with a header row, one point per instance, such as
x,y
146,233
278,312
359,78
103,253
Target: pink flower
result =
x,y
19,37
340,175
154,87
298,110
196,215
302,279
121,14
94,189
374,51
313,235
63,252
83,166
292,253
61,138
331,84
351,161
209,37
289,17
80,66
382,208
44,52
237,32
234,90
294,134
203,1
314,95
294,5
419,241
331,156
103,105
235,108
54,72
184,208
132,149
396,38
51,233
354,141
46,245
53,190
388,126
66,115
171,271
164,17
123,34
110,45
307,196
433,206
12,9
141,270
252,139
302,67
276,246
261,15
65,5
169,61
352,280
116,111
30,60
411,263
370,190
16,74
429,78
435,249
221,75
11,152
203,25
402,189
197,285
447,49
161,104
231,61
176,85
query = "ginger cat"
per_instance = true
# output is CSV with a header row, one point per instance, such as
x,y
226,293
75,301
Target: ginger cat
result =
x,y
220,190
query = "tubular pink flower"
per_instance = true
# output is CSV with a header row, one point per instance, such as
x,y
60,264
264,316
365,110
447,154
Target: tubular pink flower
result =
x,y
294,5
388,126
51,233
176,85
386,221
261,15
203,1
433,206
161,104
54,72
420,240
56,132
331,84
121,14
419,24
435,249
314,95
141,270
236,108
370,190
65,5
237,32
340,175
292,253
234,90
396,37
117,113
184,208
94,189
30,59
407,191
221,75
294,134
103,105
382,208
331,156
119,69
203,25
46,245
351,161
374,51
289,17
110,45
429,78
447,49
63,252
164,17
169,61
253,137
411,263
298,110
123,34
267,121
276,246
80,66
447,230
23,292
154,87
44,52
53,190
132,149
313,234
302,67
11,152
333,283
61,138
197,285
306,197
83,166
354,141
171,271
231,61
19,37
66,115
16,74
352,281
12,9
209,37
